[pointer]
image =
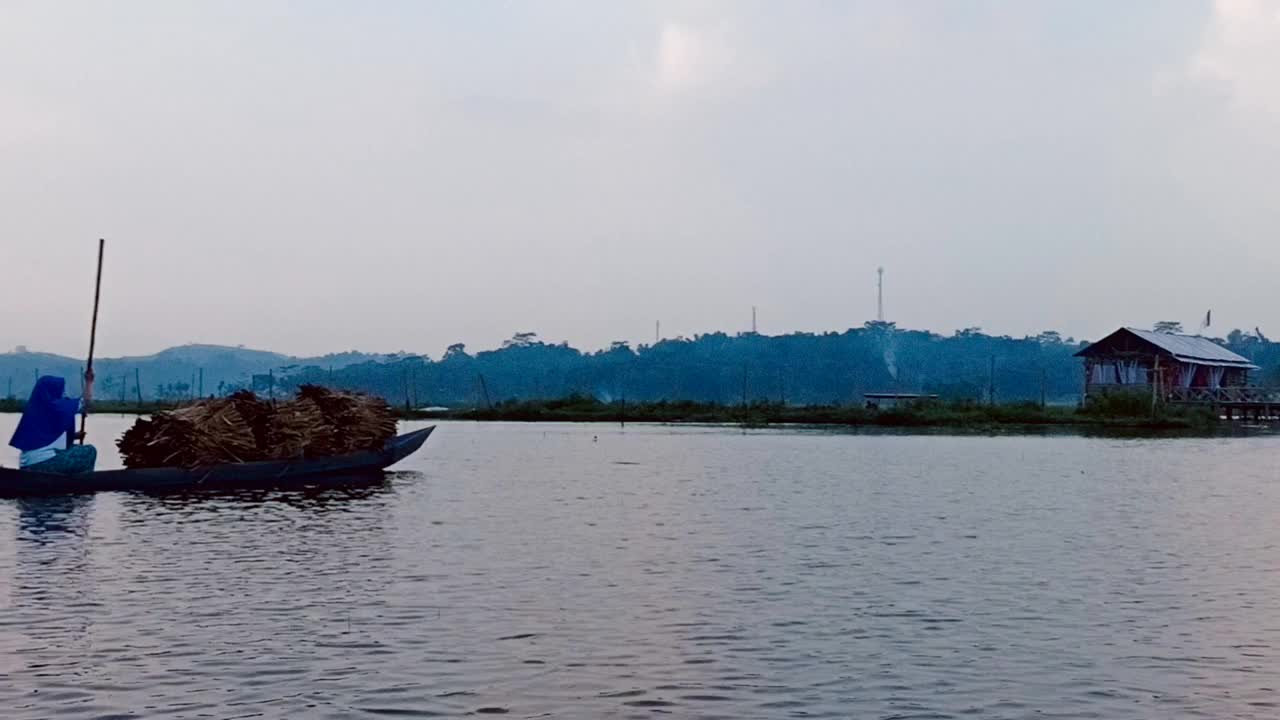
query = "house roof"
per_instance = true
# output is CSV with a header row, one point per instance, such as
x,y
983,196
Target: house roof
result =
x,y
1185,348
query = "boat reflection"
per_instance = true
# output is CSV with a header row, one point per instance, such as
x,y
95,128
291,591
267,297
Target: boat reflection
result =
x,y
337,493
46,519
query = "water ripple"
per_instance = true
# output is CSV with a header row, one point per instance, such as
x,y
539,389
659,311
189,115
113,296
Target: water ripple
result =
x,y
530,571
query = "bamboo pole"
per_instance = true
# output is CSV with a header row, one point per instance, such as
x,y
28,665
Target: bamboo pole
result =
x,y
93,337
1155,386
991,383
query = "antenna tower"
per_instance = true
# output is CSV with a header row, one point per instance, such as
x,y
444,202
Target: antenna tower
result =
x,y
880,294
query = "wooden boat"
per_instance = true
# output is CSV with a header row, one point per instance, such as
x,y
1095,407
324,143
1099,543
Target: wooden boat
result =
x,y
267,473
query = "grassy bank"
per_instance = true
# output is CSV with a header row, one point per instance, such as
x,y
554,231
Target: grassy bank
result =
x,y
1122,412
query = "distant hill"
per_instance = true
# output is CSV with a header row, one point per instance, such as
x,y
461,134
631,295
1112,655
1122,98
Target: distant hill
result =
x,y
170,373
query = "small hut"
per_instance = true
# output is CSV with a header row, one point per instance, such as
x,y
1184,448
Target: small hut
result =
x,y
1132,359
878,400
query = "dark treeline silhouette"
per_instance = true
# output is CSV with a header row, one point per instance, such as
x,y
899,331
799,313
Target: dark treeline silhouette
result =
x,y
800,368
833,368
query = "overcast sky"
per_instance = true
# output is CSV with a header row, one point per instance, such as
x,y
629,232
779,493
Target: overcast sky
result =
x,y
321,176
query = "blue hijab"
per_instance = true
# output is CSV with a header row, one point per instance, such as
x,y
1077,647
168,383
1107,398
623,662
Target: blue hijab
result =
x,y
48,414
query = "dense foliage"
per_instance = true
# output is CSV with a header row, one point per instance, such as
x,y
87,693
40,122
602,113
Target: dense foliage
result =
x,y
796,369
833,368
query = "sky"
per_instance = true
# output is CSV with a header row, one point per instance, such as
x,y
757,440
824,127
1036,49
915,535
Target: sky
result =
x,y
324,176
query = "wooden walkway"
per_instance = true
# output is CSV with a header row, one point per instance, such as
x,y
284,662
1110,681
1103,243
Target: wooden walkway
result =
x,y
1243,402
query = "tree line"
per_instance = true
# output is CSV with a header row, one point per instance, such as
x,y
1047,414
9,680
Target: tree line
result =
x,y
833,368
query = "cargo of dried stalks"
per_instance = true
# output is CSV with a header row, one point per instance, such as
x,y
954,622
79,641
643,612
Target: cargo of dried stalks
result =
x,y
243,428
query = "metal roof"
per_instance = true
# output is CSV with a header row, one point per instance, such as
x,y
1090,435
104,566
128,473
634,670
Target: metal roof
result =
x,y
1193,349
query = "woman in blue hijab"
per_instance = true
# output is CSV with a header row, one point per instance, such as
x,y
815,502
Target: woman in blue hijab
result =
x,y
48,427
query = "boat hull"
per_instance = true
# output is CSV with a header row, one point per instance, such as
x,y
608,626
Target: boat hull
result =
x,y
268,473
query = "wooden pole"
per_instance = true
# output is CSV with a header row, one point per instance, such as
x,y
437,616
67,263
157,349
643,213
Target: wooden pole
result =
x,y
93,335
485,387
1088,375
405,379
1155,386
991,383
137,384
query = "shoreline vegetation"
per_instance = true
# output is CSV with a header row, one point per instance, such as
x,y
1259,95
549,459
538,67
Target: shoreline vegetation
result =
x,y
1114,412
1118,411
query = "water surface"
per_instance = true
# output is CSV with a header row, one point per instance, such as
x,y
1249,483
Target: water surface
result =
x,y
589,571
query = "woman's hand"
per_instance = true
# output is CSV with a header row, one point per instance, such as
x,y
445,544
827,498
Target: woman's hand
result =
x,y
88,385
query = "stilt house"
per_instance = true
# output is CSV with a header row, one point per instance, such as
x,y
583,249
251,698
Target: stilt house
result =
x,y
1166,363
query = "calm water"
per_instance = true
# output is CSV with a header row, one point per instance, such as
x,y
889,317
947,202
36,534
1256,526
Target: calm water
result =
x,y
536,571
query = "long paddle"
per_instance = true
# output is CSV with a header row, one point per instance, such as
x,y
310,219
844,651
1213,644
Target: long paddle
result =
x,y
93,336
